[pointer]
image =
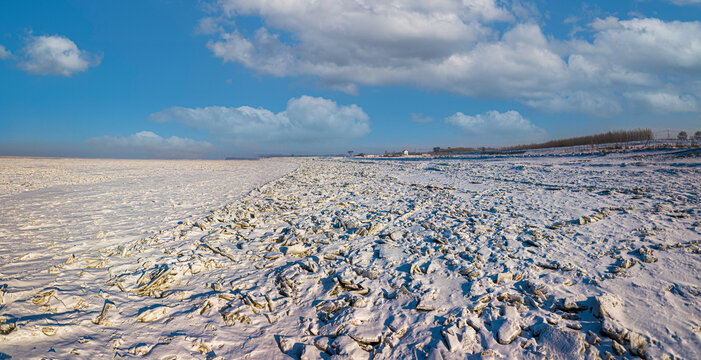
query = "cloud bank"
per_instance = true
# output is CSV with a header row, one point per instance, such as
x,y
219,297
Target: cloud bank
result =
x,y
305,119
477,48
146,144
55,55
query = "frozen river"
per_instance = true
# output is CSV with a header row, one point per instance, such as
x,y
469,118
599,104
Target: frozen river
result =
x,y
511,257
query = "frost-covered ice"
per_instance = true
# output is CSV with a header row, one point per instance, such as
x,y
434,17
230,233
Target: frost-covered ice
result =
x,y
58,211
79,204
551,256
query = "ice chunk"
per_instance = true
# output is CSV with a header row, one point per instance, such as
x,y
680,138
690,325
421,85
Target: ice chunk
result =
x,y
508,331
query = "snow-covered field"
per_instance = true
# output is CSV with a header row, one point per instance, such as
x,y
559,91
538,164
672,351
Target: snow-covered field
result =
x,y
523,257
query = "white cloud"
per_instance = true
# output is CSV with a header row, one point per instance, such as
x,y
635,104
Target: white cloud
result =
x,y
209,25
340,39
650,46
4,53
632,60
148,144
664,102
603,104
55,55
494,126
456,46
305,119
266,54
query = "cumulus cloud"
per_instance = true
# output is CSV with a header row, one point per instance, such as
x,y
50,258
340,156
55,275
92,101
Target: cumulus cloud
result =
x,y
4,53
340,39
496,126
146,144
264,52
463,47
55,55
305,119
647,46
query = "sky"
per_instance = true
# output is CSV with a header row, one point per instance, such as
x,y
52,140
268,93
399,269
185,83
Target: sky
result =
x,y
239,78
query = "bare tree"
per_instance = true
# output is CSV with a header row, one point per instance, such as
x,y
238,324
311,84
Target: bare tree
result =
x,y
697,135
682,135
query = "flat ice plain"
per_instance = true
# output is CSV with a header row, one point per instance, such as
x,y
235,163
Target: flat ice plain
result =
x,y
550,256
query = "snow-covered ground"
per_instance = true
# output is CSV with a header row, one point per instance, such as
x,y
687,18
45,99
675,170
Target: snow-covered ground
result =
x,y
511,257
55,209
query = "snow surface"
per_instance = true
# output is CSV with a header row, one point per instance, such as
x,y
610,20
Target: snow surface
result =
x,y
509,257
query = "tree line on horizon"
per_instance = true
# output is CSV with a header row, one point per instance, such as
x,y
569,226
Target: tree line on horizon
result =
x,y
620,136
603,138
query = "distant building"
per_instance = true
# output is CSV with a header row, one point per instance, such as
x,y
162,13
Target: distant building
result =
x,y
405,152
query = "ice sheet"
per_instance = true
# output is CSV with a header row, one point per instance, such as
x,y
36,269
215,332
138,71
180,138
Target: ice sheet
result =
x,y
516,257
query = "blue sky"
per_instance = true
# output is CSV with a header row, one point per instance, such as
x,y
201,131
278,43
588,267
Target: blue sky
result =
x,y
208,79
